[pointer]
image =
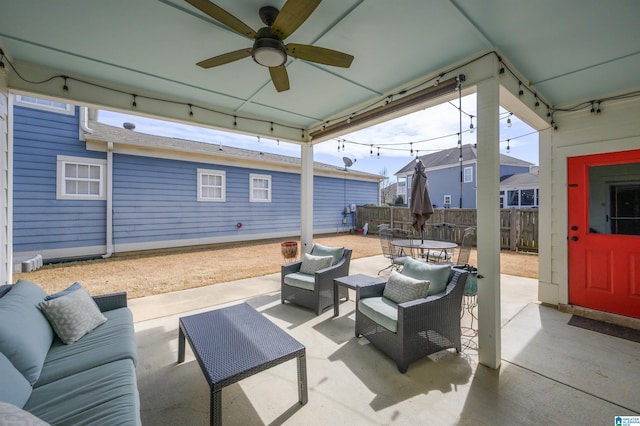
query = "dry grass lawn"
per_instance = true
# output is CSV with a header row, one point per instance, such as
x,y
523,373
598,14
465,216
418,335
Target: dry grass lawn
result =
x,y
153,272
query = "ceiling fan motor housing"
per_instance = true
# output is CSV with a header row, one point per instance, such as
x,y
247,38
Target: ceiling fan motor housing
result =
x,y
268,50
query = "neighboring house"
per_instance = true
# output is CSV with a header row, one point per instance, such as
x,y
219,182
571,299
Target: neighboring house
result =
x,y
453,183
82,188
388,193
520,190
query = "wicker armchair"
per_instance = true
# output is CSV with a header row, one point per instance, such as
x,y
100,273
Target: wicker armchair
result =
x,y
424,326
320,297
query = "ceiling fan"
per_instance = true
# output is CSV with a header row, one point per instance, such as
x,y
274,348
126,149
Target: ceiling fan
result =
x,y
268,48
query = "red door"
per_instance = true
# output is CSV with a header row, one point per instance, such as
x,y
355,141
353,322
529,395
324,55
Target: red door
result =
x,y
604,232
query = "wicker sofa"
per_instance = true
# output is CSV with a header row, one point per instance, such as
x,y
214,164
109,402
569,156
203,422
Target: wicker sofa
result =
x,y
411,330
315,291
89,381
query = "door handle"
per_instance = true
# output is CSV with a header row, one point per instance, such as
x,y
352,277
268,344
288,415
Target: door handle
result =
x,y
574,238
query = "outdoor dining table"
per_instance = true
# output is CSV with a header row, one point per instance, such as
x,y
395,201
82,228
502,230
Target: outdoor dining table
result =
x,y
424,245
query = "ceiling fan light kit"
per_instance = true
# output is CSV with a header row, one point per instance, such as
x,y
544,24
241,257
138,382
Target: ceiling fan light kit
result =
x,y
268,49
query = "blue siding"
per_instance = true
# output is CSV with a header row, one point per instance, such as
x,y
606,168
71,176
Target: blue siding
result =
x,y
332,195
38,138
512,170
447,182
154,199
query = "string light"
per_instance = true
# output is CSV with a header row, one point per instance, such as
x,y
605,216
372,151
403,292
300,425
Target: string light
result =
x,y
258,138
378,153
537,104
65,88
508,147
459,140
371,151
271,128
338,145
520,91
471,129
134,104
509,120
411,144
343,145
235,121
190,110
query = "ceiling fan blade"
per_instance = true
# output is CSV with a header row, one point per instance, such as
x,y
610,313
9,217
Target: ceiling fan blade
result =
x,y
319,55
225,58
291,16
280,78
224,17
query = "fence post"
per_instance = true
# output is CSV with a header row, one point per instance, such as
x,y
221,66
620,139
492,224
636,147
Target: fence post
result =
x,y
513,229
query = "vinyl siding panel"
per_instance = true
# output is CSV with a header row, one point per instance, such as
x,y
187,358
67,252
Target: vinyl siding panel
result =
x,y
331,196
39,137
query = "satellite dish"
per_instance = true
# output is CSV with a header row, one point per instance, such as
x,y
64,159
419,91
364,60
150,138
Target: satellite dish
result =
x,y
348,162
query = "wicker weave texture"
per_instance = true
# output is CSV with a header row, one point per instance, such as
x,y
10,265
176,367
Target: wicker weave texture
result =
x,y
425,326
322,295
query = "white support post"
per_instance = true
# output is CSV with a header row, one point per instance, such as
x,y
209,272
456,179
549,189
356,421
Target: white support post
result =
x,y
306,198
488,234
6,182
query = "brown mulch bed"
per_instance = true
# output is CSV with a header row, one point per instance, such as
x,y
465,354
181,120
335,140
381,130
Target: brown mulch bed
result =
x,y
153,272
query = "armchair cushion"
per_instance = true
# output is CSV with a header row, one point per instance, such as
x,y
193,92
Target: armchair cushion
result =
x,y
15,388
402,288
303,281
437,275
73,287
312,263
381,310
335,252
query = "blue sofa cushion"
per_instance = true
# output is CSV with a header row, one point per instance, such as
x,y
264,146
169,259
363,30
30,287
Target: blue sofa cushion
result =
x,y
15,389
381,310
25,333
437,275
73,287
104,395
112,341
335,252
300,280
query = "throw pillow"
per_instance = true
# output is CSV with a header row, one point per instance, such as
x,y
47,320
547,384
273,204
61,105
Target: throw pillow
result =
x,y
72,316
10,415
25,334
311,264
437,275
335,252
401,288
72,287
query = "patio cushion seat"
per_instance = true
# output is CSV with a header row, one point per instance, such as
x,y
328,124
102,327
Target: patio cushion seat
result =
x,y
111,341
15,388
381,310
437,275
300,280
104,395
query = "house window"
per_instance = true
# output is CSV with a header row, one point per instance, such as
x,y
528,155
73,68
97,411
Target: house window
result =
x,y
211,185
447,200
80,178
260,188
468,174
45,104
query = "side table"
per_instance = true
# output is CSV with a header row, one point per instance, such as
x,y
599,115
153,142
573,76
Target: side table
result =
x,y
352,282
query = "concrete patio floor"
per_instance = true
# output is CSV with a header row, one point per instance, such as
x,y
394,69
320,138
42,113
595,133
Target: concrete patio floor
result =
x,y
551,372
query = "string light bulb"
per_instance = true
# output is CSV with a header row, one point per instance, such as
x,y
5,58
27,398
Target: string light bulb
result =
x,y
65,88
371,151
378,153
3,70
520,91
508,146
338,145
134,104
411,145
190,110
471,129
509,120
537,104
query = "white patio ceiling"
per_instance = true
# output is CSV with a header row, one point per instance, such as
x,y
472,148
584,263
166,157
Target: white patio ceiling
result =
x,y
565,50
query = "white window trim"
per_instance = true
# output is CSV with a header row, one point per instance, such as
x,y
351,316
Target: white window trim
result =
x,y
60,178
447,197
220,173
469,178
253,177
68,110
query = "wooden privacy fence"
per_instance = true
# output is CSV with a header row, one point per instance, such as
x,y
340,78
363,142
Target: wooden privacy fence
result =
x,y
518,227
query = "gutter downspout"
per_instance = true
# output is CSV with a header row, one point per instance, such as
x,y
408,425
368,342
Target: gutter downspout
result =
x,y
85,115
109,224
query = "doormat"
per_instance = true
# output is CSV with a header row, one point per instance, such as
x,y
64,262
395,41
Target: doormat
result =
x,y
605,328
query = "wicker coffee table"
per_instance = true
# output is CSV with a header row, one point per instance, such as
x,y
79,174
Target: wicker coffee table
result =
x,y
233,343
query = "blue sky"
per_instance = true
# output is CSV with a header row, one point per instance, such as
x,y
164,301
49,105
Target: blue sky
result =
x,y
425,131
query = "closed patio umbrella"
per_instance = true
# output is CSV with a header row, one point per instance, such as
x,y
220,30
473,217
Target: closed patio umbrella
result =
x,y
421,207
